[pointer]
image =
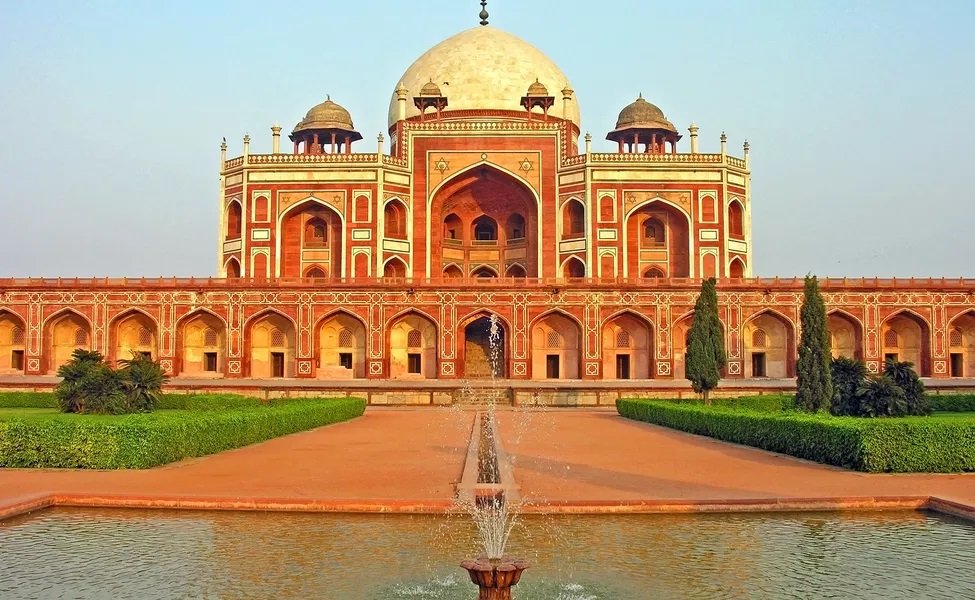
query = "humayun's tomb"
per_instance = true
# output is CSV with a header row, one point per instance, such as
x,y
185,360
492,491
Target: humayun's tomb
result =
x,y
341,258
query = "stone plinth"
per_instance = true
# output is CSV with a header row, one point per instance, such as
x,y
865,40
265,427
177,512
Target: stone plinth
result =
x,y
495,577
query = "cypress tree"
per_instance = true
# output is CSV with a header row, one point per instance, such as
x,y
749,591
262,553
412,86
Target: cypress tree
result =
x,y
705,348
814,379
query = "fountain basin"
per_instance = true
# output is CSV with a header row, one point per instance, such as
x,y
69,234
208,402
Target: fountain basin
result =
x,y
495,577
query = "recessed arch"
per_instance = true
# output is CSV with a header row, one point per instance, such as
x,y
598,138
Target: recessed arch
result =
x,y
452,271
627,346
412,338
846,334
13,342
231,268
556,343
133,332
961,345
315,272
516,270
573,219
289,260
270,340
736,218
736,268
395,219
395,267
484,272
234,219
64,332
483,352
678,241
777,357
913,340
341,337
201,339
573,268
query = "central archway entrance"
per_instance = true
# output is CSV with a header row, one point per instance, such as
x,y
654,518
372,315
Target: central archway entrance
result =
x,y
484,346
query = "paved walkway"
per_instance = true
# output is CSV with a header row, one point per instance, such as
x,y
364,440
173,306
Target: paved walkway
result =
x,y
396,459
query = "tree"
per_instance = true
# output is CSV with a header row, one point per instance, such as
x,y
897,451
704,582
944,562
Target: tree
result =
x,y
904,375
814,382
72,392
705,348
142,381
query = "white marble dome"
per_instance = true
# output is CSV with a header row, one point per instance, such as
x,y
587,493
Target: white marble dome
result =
x,y
485,68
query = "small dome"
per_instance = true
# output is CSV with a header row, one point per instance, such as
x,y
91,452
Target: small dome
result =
x,y
430,89
327,115
537,89
643,115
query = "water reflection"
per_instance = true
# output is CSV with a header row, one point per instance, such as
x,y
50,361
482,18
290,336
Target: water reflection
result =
x,y
74,553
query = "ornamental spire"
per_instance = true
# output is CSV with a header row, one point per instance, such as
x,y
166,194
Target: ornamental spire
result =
x,y
484,13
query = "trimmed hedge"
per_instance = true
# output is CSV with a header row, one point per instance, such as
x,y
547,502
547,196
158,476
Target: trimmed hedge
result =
x,y
166,402
952,402
138,441
763,403
900,445
28,400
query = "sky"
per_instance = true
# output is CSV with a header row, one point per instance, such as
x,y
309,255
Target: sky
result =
x,y
859,114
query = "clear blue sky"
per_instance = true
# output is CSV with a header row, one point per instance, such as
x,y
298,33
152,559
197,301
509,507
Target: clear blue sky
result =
x,y
861,114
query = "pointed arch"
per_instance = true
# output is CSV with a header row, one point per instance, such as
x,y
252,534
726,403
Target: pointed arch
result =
x,y
846,334
777,358
13,342
412,342
627,346
315,272
231,268
484,272
573,219
556,343
201,341
736,268
337,242
234,220
270,340
913,339
452,271
678,241
736,219
395,219
64,332
395,267
133,332
961,344
483,353
340,338
516,270
573,268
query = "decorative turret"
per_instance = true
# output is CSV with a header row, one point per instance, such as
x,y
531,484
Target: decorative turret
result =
x,y
644,123
430,96
537,95
326,123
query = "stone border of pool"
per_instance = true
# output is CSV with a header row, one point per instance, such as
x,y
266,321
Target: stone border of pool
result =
x,y
26,504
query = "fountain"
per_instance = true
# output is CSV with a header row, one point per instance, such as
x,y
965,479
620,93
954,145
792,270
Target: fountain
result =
x,y
489,494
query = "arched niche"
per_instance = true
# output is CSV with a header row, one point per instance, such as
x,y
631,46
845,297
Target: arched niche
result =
x,y
556,347
905,336
736,270
573,219
341,347
272,342
310,233
234,220
66,332
573,268
394,219
657,235
961,345
736,219
133,334
770,346
13,343
846,335
394,268
202,340
412,347
232,268
627,348
485,347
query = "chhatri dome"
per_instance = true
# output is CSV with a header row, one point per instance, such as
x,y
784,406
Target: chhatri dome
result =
x,y
485,68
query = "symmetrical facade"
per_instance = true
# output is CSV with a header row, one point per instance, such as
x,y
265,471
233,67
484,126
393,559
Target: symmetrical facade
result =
x,y
488,209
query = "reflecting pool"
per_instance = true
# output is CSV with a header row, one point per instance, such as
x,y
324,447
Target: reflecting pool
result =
x,y
85,553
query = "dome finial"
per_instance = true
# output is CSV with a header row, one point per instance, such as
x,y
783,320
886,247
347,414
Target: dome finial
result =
x,y
484,13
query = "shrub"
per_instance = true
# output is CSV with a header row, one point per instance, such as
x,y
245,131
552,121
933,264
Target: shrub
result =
x,y
142,380
906,378
765,403
151,439
848,375
951,402
90,385
28,400
880,396
932,444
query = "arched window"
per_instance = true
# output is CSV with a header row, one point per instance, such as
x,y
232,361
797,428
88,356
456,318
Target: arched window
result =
x,y
453,228
736,227
485,229
737,269
653,232
574,268
484,273
315,273
316,232
395,219
361,209
233,269
453,271
394,268
955,337
260,209
890,338
654,273
515,227
574,219
516,271
708,212
233,220
759,339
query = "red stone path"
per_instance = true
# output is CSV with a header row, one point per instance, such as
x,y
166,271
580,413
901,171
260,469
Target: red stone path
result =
x,y
396,459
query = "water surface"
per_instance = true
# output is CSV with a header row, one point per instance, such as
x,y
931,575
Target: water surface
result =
x,y
85,553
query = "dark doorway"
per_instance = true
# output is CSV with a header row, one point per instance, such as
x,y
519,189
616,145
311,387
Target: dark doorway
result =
x,y
17,360
758,364
414,363
210,362
957,364
277,364
552,366
622,366
345,359
890,357
484,357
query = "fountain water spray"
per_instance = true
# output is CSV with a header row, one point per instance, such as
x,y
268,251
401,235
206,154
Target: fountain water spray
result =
x,y
493,501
